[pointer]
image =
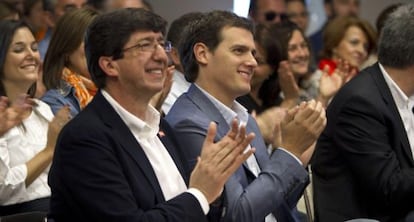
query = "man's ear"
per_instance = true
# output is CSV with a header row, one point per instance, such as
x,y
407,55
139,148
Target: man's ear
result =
x,y
201,52
108,65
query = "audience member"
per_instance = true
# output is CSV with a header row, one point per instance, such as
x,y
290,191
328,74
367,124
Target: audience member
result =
x,y
333,9
26,149
363,165
349,39
298,13
174,35
54,9
34,16
267,11
218,56
113,162
65,72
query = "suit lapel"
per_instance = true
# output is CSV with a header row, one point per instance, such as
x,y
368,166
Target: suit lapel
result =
x,y
128,142
383,88
208,108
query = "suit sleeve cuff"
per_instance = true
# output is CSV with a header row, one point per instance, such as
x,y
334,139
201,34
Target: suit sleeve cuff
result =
x,y
295,157
201,199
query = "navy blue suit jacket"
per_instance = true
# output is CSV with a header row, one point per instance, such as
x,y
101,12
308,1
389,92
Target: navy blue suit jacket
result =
x,y
246,198
363,166
101,173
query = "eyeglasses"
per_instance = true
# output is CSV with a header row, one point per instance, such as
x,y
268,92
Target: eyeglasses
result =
x,y
271,15
150,46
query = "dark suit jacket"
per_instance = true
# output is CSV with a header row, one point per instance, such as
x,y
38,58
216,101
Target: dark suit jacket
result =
x,y
247,198
100,173
363,165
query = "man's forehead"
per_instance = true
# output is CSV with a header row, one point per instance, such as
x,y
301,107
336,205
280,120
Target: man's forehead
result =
x,y
146,34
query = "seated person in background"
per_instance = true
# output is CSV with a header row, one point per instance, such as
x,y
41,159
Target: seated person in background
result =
x,y
363,166
27,143
174,35
348,41
116,160
218,57
65,73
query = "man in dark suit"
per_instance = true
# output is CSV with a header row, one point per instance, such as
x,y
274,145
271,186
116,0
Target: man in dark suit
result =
x,y
114,161
218,57
363,164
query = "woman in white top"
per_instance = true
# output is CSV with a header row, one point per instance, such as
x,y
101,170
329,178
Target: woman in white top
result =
x,y
26,150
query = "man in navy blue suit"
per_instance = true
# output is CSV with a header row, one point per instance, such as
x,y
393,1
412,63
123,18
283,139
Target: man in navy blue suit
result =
x,y
217,53
116,160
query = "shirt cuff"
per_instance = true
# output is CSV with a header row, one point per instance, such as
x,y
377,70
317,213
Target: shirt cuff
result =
x,y
201,199
295,157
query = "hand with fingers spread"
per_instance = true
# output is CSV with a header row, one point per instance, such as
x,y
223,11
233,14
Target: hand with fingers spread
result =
x,y
302,126
288,84
269,124
219,160
13,115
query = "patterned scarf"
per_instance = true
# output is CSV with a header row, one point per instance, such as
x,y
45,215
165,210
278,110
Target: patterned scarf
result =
x,y
84,88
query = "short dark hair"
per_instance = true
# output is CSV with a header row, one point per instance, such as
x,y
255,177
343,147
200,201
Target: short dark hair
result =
x,y
109,32
178,25
207,30
8,29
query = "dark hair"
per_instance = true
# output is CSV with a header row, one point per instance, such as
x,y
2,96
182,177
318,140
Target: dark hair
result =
x,y
67,37
396,43
335,32
178,25
379,24
109,33
267,41
98,5
28,5
8,29
207,30
49,5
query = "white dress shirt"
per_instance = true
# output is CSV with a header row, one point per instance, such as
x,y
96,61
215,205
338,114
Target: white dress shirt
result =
x,y
404,104
239,112
179,86
145,132
17,147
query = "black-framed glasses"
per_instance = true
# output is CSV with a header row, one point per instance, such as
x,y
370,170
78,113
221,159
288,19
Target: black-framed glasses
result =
x,y
150,46
271,15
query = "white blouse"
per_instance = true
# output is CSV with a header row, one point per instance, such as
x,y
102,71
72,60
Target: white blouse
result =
x,y
18,146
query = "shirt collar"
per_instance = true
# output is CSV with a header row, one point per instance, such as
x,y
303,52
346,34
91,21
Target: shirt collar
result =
x,y
236,110
147,128
401,100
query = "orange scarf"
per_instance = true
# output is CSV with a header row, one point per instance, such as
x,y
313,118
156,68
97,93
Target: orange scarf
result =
x,y
84,88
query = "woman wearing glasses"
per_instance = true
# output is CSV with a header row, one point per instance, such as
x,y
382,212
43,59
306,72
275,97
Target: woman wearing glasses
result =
x,y
66,76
